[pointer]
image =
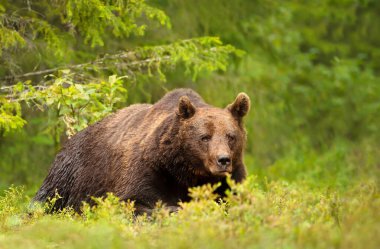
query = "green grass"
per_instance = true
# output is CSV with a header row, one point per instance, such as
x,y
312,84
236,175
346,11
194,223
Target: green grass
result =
x,y
306,199
277,214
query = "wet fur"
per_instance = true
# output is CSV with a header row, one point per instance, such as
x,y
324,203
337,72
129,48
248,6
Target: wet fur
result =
x,y
138,153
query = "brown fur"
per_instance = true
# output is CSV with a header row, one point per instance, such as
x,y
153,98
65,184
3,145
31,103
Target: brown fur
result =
x,y
148,153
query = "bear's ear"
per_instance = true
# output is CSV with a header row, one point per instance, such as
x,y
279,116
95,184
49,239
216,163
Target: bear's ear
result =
x,y
185,108
240,107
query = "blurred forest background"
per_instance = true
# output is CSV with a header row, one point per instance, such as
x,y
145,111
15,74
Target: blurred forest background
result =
x,y
312,69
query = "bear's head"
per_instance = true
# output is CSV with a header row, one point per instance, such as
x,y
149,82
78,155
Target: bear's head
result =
x,y
213,139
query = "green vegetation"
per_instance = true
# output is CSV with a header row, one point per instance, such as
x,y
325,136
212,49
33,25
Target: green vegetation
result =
x,y
275,215
311,68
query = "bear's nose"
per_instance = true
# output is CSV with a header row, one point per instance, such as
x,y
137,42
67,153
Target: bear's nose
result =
x,y
224,161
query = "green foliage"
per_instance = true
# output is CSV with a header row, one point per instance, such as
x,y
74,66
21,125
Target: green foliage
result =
x,y
45,25
76,97
109,209
94,18
10,116
12,205
78,102
16,30
9,38
76,105
336,168
275,215
311,69
205,54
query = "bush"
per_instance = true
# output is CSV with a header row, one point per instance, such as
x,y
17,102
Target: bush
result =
x,y
253,215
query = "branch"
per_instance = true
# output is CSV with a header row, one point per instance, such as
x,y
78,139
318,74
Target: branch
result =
x,y
76,66
100,63
205,53
130,56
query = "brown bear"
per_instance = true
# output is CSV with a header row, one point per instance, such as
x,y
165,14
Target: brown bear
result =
x,y
148,153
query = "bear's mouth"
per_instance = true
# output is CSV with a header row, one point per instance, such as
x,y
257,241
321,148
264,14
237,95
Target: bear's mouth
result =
x,y
217,171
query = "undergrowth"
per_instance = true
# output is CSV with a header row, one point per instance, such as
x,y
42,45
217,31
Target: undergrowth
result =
x,y
276,214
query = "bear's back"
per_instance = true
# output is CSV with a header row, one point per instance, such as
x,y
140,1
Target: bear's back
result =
x,y
170,101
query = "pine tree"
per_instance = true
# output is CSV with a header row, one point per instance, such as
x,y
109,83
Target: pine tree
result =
x,y
56,33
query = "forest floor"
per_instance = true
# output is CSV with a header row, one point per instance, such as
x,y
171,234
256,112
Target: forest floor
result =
x,y
275,214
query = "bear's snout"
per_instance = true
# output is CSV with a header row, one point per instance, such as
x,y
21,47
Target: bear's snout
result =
x,y
223,161
222,165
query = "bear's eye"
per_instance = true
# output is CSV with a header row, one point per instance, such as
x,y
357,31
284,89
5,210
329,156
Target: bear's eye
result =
x,y
231,138
206,138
